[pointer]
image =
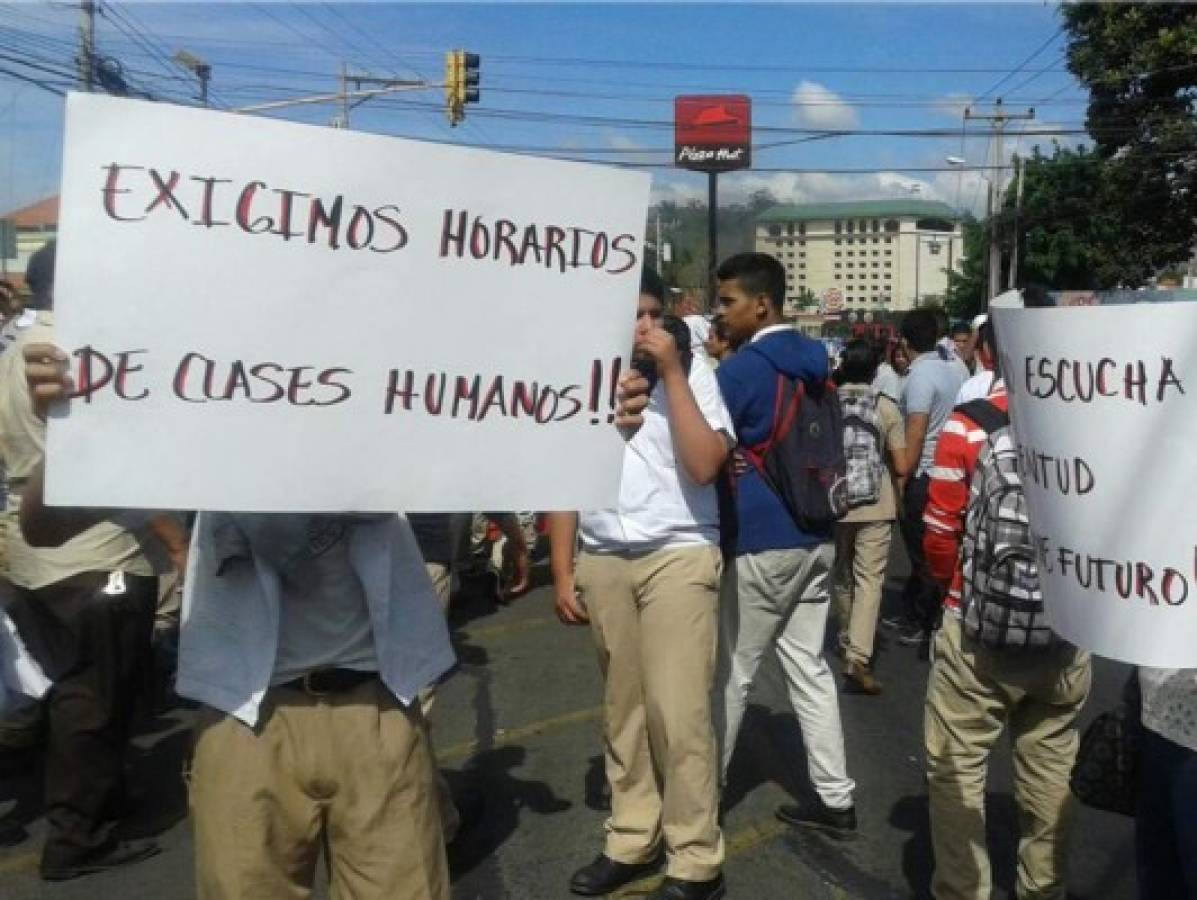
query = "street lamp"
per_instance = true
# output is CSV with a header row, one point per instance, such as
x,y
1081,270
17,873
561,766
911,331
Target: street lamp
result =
x,y
994,262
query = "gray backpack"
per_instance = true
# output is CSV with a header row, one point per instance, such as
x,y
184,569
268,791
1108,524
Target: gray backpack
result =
x,y
1001,595
864,466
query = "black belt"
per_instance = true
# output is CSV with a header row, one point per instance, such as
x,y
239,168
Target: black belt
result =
x,y
321,682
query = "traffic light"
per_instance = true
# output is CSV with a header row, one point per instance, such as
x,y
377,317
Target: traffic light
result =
x,y
461,83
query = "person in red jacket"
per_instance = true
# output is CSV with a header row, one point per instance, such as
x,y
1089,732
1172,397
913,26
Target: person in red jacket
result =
x,y
975,692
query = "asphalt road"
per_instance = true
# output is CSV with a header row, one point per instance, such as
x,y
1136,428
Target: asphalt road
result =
x,y
521,721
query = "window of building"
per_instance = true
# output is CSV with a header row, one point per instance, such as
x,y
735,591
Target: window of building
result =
x,y
876,225
933,249
774,230
802,255
837,242
837,265
839,227
802,228
887,240
891,225
837,253
876,252
802,243
875,240
789,227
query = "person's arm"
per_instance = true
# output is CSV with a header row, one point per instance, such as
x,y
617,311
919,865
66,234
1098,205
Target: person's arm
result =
x,y
701,449
517,547
563,543
51,526
916,435
899,461
947,499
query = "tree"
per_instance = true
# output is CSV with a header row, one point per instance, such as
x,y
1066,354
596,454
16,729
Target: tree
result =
x,y
965,295
1139,62
807,299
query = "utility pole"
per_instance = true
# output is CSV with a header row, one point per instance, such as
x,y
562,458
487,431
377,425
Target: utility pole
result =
x,y
998,119
1012,278
87,44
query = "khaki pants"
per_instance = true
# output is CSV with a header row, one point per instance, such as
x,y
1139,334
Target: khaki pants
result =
x,y
442,580
861,557
654,622
350,772
972,695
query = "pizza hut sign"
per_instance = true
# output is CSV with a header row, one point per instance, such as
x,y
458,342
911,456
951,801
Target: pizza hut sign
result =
x,y
712,133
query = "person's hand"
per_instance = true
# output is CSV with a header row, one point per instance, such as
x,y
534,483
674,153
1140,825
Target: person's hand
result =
x,y
520,567
632,397
570,608
739,463
46,375
661,346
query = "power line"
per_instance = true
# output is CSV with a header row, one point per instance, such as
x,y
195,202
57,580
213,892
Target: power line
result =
x,y
45,86
1022,65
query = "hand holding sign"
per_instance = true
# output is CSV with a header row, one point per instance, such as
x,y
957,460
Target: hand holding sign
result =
x,y
351,328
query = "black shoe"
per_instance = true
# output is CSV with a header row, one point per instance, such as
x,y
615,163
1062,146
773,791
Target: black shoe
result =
x,y
816,814
605,875
676,889
118,855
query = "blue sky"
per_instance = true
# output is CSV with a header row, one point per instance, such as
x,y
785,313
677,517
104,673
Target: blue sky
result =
x,y
855,66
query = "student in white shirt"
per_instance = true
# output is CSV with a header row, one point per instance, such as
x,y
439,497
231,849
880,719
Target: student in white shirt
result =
x,y
647,581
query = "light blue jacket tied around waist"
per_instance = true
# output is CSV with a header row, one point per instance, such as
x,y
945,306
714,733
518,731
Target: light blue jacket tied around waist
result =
x,y
230,619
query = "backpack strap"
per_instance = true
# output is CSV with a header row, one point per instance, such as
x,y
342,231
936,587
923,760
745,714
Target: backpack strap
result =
x,y
985,414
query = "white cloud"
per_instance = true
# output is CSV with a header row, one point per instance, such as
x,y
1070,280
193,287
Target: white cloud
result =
x,y
801,187
816,106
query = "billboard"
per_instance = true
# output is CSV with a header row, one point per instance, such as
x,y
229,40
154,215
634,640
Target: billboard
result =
x,y
712,132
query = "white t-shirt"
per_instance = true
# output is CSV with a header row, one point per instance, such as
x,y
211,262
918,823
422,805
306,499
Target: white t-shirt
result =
x,y
659,506
976,388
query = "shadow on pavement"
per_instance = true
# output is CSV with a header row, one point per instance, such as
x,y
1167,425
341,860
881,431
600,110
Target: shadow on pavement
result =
x,y
506,798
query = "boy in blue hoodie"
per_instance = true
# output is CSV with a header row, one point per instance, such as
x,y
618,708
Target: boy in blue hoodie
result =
x,y
777,594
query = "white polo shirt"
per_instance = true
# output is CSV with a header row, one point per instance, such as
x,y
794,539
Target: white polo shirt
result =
x,y
659,506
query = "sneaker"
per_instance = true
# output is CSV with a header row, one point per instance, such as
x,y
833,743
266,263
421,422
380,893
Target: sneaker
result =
x,y
120,854
816,814
677,889
858,679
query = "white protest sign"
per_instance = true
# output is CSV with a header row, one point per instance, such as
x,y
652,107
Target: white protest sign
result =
x,y
271,316
1104,405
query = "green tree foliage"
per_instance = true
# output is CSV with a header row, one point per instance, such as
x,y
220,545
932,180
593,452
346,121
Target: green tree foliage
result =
x,y
1139,62
965,296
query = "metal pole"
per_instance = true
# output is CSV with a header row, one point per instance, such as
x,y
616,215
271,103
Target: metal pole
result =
x,y
1012,279
918,263
87,44
712,248
995,205
344,96
204,73
660,263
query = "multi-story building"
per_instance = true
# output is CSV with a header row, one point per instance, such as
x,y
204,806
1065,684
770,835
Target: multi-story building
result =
x,y
872,256
32,226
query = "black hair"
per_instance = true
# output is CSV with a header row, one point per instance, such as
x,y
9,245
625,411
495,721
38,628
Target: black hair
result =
x,y
757,273
39,275
920,329
1035,296
960,328
987,338
652,284
719,328
858,363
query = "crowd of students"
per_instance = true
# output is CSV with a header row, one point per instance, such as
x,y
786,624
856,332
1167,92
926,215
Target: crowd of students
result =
x,y
313,642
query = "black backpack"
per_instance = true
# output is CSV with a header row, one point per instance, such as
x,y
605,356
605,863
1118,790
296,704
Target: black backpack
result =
x,y
802,460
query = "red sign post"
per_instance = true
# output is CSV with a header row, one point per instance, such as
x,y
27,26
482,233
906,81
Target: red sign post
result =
x,y
712,133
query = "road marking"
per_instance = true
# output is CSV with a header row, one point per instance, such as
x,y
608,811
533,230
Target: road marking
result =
x,y
511,628
506,736
739,843
25,862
